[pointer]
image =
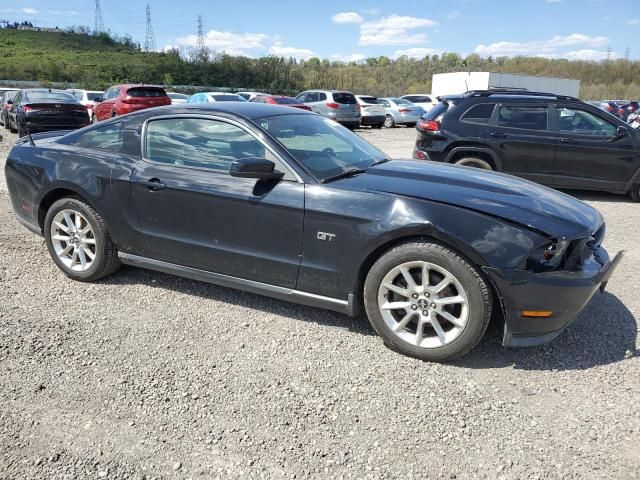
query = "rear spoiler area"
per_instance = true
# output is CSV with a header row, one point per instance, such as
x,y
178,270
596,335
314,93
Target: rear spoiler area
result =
x,y
41,136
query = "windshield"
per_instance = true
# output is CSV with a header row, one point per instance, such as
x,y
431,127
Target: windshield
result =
x,y
400,101
322,146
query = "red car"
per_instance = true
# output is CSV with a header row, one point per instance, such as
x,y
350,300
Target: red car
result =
x,y
121,99
281,100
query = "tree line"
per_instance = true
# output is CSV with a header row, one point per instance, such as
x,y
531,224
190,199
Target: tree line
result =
x,y
98,60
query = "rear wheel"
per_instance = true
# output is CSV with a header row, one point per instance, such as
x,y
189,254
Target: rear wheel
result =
x,y
389,122
634,193
78,241
12,129
474,162
426,301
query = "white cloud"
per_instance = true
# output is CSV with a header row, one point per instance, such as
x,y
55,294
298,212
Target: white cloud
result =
x,y
371,11
63,12
544,47
347,17
30,11
352,57
589,54
453,15
280,50
416,52
228,42
394,30
634,21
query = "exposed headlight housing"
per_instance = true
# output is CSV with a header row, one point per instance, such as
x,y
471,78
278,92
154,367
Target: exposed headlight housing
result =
x,y
549,256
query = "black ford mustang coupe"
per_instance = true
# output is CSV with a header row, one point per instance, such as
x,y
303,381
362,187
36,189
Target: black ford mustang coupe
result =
x,y
286,203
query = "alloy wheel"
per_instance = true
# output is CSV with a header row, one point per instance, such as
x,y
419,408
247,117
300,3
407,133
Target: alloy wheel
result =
x,y
73,240
423,304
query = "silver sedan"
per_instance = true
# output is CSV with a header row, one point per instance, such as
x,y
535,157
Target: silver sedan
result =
x,y
399,111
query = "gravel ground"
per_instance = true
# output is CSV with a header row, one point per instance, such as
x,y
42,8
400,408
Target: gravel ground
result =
x,y
145,375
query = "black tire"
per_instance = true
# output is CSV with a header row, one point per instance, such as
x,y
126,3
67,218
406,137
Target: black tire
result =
x,y
106,255
12,129
93,118
377,126
474,162
478,295
634,193
389,122
411,125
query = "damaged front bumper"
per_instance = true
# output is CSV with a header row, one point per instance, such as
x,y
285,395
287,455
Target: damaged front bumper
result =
x,y
564,293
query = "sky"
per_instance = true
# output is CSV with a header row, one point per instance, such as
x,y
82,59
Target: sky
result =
x,y
351,30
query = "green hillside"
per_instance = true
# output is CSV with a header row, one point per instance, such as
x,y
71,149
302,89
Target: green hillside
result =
x,y
97,61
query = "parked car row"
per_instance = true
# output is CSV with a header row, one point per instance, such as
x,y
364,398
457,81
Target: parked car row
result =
x,y
618,108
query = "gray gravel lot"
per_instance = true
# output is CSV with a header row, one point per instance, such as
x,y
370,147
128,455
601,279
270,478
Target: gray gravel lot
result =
x,y
145,375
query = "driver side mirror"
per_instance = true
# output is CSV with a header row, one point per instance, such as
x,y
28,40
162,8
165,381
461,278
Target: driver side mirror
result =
x,y
621,132
260,168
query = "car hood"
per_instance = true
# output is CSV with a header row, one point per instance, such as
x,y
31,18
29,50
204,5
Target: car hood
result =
x,y
520,201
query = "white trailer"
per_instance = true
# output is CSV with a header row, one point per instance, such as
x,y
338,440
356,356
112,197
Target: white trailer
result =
x,y
460,82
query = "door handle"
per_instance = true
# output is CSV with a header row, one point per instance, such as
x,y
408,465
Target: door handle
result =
x,y
570,141
153,184
499,134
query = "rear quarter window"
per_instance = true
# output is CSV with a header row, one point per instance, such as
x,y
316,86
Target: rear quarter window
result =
x,y
438,111
108,137
480,113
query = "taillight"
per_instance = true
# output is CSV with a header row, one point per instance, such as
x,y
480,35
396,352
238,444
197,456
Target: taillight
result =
x,y
404,110
357,106
610,108
27,108
335,106
129,99
428,125
419,155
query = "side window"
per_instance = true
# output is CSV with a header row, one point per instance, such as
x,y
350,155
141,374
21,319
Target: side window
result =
x,y
17,98
480,113
321,97
581,122
302,97
523,117
384,102
197,142
312,97
108,137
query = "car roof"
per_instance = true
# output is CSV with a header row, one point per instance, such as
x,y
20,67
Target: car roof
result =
x,y
248,110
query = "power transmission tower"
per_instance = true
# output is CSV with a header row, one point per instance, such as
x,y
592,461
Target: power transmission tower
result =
x,y
201,47
149,39
608,54
98,25
627,54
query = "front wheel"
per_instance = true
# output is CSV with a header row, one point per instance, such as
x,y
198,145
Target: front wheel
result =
x,y
78,241
426,301
389,122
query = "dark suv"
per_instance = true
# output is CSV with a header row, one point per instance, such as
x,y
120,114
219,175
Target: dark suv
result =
x,y
555,140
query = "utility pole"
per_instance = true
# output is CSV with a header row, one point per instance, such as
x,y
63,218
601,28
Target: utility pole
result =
x,y
98,25
627,54
149,39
